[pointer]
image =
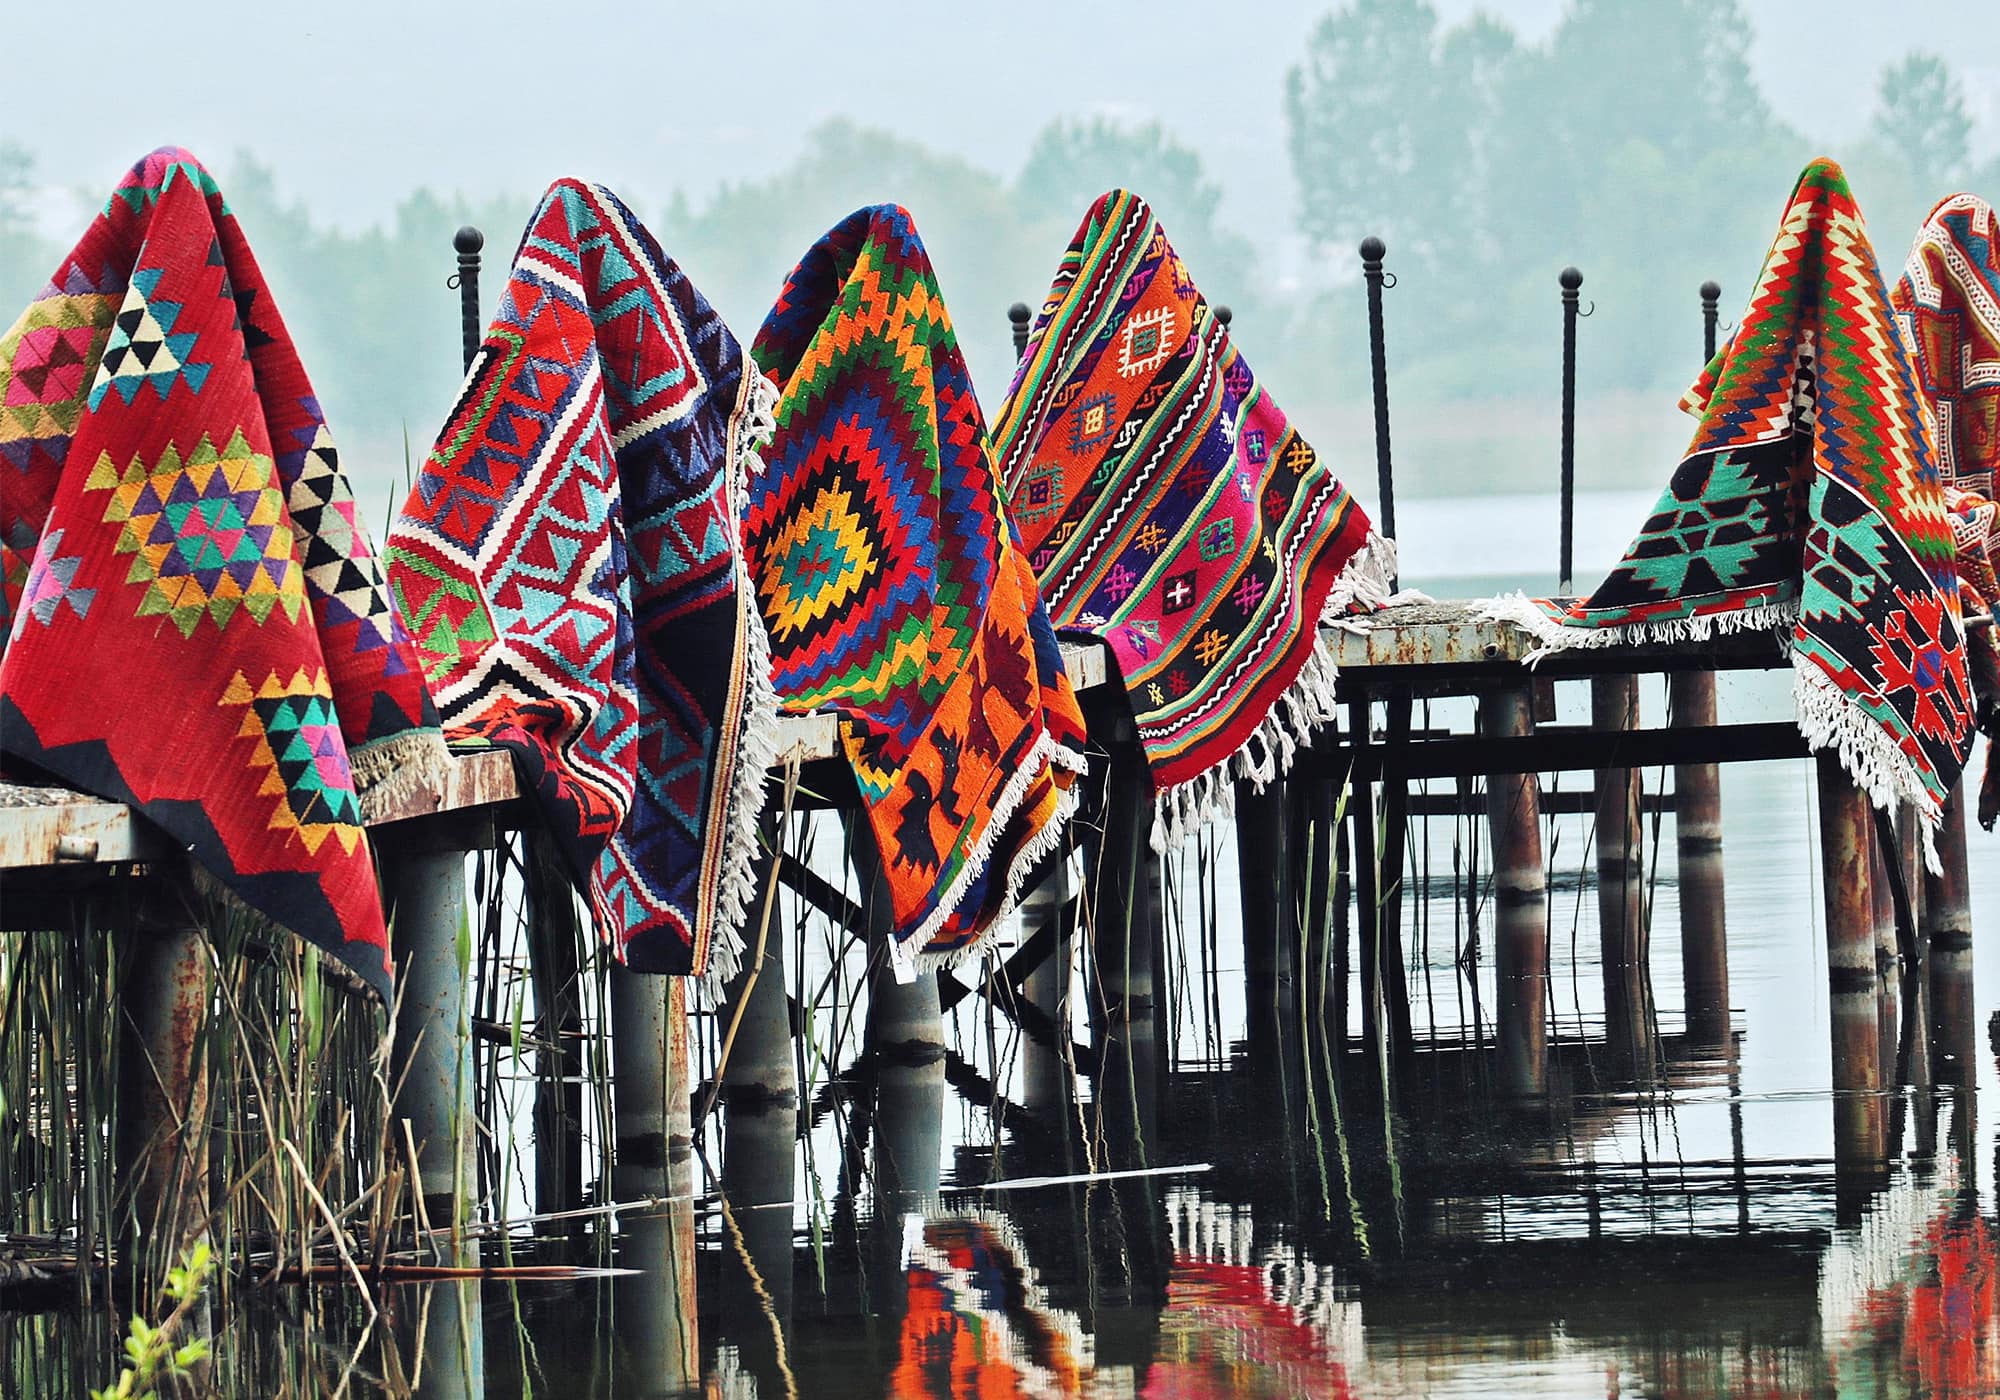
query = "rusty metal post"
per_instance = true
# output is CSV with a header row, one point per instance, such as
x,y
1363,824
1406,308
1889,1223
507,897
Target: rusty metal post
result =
x,y
1621,913
1698,851
1860,1123
1947,922
163,1093
1520,900
653,1161
431,1056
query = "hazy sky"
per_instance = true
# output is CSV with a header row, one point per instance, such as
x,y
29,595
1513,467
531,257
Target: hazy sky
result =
x,y
357,103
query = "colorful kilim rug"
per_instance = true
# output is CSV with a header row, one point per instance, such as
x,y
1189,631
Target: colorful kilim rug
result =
x,y
568,563
894,591
1948,307
196,625
1809,504
1170,510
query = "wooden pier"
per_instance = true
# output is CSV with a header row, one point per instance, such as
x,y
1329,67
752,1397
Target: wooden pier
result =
x,y
61,853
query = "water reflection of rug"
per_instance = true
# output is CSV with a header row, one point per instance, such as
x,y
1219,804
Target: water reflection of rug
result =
x,y
976,1322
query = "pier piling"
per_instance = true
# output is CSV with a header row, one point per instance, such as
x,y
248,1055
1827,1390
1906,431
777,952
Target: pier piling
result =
x,y
1947,922
1698,857
163,1083
1520,899
1621,910
1860,1125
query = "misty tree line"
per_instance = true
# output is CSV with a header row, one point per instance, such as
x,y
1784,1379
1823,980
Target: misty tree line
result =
x,y
1633,141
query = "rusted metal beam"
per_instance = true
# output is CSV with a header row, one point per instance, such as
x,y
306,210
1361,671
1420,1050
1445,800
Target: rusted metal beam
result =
x,y
1570,751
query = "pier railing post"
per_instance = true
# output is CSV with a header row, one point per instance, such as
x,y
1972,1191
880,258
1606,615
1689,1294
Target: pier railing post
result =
x,y
1520,899
423,877
1947,922
467,242
1018,316
1860,1124
1373,250
1621,911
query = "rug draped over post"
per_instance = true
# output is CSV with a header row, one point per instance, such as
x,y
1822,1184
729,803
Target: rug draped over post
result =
x,y
1948,308
1171,511
1808,504
568,564
895,593
196,624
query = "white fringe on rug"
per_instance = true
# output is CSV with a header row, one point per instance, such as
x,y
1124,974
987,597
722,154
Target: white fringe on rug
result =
x,y
1827,717
737,890
1306,706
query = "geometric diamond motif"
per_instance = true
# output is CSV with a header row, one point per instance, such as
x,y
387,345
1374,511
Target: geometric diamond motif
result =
x,y
41,383
345,574
818,562
208,534
143,348
51,585
297,734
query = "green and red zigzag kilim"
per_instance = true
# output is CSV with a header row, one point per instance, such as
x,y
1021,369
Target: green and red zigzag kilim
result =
x,y
1171,510
195,622
1809,503
569,564
894,591
1948,308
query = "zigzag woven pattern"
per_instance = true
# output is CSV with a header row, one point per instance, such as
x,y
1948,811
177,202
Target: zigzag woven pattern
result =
x,y
568,563
1809,503
175,525
1171,510
893,590
1948,308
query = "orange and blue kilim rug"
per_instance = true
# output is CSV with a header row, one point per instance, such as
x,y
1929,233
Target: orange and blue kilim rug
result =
x,y
195,623
895,593
568,563
1171,510
1809,504
1948,308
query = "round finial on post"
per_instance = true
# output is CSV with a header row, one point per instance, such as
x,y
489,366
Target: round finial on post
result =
x,y
1019,315
1711,293
1571,279
468,241
1224,315
1373,250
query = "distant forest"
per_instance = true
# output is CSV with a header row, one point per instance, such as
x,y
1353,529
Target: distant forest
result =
x,y
1485,162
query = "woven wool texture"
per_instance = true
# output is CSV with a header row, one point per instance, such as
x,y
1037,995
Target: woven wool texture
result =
x,y
1171,511
568,564
1809,504
196,623
894,591
1948,308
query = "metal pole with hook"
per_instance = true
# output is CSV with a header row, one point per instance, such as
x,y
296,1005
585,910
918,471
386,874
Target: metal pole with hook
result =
x,y
1372,253
468,241
1571,280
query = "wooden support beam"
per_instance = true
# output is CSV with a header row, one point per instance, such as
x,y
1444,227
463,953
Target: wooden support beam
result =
x,y
1860,1123
1574,751
1621,909
1697,809
1521,912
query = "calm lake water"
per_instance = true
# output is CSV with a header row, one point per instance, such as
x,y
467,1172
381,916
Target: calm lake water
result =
x,y
1273,1238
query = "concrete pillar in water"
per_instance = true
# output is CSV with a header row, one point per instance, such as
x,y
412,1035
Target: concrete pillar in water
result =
x,y
1860,1124
1698,850
439,1341
162,1147
554,955
1948,927
1882,904
1621,914
1269,930
760,1089
431,1059
1520,900
655,1318
1045,1085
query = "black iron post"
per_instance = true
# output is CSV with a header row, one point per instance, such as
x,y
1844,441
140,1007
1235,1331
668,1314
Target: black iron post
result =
x,y
1372,251
1571,280
468,241
1019,314
1711,296
1225,316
